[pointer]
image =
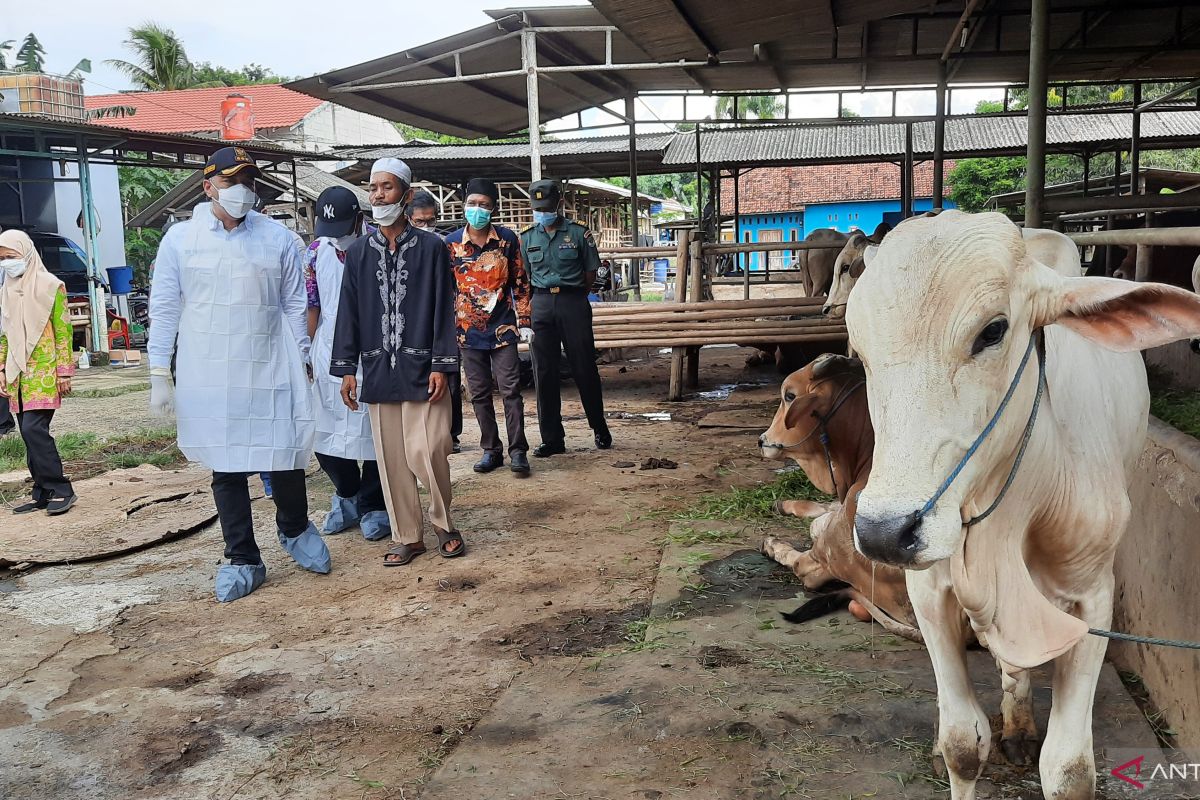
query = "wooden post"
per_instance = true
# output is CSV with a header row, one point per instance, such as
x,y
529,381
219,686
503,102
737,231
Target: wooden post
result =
x,y
1144,259
696,262
1035,148
675,391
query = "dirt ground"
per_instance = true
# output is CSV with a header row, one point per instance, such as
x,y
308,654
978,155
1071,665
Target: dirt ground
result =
x,y
593,643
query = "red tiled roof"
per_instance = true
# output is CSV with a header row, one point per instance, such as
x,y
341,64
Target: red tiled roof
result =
x,y
769,191
199,110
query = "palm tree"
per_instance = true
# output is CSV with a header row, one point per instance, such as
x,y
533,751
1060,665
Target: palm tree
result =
x,y
160,63
31,56
764,106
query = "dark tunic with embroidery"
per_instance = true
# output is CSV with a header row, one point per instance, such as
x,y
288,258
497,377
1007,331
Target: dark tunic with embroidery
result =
x,y
397,316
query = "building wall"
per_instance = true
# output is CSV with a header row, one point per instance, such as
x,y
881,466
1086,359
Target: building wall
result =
x,y
106,197
1155,571
331,125
860,215
847,216
784,227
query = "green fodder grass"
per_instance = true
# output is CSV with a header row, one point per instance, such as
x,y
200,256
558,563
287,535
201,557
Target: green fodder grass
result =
x,y
1177,407
756,502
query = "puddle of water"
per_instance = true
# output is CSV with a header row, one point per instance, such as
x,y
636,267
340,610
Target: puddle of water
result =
x,y
652,416
723,391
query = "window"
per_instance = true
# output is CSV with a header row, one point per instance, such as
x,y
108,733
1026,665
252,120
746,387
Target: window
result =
x,y
774,259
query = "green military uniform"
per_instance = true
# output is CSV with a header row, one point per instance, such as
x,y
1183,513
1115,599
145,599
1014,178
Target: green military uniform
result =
x,y
562,260
559,265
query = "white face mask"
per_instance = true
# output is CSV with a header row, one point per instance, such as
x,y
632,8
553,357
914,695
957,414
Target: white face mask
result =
x,y
386,215
237,200
343,242
13,267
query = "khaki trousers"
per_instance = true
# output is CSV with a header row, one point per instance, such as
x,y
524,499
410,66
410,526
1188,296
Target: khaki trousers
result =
x,y
412,441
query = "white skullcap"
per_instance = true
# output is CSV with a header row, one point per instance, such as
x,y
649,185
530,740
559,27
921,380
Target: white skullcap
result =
x,y
393,166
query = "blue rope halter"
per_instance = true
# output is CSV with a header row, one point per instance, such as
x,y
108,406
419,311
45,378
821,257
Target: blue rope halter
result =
x,y
1035,343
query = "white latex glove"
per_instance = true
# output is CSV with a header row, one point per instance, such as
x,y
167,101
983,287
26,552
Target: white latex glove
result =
x,y
526,334
162,393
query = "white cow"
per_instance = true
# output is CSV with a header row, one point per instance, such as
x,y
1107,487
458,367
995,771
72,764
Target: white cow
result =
x,y
942,320
1196,288
847,269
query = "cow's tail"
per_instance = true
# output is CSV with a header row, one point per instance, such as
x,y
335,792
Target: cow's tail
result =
x,y
825,604
820,606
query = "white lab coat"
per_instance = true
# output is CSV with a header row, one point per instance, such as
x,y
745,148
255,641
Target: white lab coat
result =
x,y
237,300
340,431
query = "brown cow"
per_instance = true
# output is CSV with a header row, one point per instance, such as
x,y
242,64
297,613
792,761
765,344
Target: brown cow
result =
x,y
824,425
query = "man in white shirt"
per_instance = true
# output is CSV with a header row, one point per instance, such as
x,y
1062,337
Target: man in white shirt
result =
x,y
229,283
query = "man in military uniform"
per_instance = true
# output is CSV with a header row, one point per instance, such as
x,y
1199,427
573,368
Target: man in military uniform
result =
x,y
562,260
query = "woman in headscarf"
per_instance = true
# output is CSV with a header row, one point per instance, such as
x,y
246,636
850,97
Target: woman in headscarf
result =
x,y
35,364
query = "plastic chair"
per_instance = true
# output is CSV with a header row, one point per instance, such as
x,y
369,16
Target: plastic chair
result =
x,y
118,331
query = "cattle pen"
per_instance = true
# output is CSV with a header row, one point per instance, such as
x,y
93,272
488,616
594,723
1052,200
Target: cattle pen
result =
x,y
636,618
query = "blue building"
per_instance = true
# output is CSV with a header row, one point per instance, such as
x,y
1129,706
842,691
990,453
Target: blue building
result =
x,y
786,204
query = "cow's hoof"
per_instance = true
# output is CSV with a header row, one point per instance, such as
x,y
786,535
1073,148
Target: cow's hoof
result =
x,y
768,543
939,766
1020,750
777,507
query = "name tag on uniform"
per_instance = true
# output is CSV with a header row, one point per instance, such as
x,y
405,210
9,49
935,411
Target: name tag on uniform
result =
x,y
568,246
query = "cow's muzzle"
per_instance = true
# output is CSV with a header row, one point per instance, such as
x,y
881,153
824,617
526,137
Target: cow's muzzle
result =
x,y
890,540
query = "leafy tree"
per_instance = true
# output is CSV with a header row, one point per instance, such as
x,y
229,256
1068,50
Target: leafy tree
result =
x,y
4,48
141,186
32,56
680,186
763,106
160,61
249,75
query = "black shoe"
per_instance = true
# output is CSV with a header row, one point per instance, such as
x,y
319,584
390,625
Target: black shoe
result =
x,y
546,450
456,447
519,462
604,440
489,462
30,507
60,505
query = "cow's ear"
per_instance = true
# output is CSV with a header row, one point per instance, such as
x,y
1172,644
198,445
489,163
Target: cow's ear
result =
x,y
800,408
1122,315
869,254
858,267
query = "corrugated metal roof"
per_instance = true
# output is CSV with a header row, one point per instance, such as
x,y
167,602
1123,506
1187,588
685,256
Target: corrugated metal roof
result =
x,y
965,137
754,45
449,164
646,143
101,137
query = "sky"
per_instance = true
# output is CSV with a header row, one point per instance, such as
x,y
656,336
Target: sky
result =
x,y
234,33
286,37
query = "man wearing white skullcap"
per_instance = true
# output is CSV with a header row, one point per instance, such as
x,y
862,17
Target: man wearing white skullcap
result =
x,y
396,318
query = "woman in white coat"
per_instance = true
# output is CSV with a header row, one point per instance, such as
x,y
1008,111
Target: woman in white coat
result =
x,y
229,283
343,436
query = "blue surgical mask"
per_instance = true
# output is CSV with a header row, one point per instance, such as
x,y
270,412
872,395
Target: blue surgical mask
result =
x,y
478,218
544,218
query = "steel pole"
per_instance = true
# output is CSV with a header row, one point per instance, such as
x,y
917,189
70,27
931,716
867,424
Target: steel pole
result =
x,y
95,294
529,64
939,139
1035,154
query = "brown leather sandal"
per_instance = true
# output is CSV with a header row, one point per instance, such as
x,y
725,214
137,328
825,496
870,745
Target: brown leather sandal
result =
x,y
407,553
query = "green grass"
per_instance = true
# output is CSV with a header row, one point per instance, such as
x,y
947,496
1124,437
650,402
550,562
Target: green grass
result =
x,y
1178,408
652,297
757,502
88,454
116,391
